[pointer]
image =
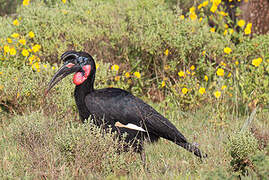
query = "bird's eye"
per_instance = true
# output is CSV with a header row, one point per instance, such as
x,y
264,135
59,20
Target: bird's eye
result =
x,y
80,60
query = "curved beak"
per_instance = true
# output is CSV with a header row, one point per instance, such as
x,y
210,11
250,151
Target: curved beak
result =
x,y
65,70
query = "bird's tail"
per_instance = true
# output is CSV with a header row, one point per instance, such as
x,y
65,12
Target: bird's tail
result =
x,y
193,148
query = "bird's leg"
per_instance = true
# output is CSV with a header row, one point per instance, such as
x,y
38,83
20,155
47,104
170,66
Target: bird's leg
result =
x,y
143,158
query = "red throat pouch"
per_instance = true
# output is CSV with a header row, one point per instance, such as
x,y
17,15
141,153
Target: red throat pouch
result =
x,y
79,78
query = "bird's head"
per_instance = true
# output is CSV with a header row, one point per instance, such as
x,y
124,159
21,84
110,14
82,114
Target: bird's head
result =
x,y
80,63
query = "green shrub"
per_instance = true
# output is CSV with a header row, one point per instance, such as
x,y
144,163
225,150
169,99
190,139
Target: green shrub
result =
x,y
23,90
148,37
242,146
261,164
88,147
8,6
30,130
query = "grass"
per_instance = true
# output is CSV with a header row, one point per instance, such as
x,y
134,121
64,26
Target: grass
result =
x,y
36,145
42,137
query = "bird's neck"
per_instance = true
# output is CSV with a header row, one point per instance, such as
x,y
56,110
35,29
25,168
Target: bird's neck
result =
x,y
81,91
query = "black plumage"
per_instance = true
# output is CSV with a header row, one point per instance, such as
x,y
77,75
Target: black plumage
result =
x,y
116,108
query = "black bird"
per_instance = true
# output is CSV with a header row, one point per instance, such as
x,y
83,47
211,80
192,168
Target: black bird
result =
x,y
116,108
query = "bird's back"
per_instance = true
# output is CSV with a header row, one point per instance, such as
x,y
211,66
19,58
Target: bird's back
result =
x,y
113,105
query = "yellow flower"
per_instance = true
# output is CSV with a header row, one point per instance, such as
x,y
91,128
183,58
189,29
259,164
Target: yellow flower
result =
x,y
223,64
115,67
137,74
6,49
16,22
1,87
192,67
163,83
227,50
202,90
241,23
200,19
212,29
25,2
117,78
25,52
217,94
248,28
15,35
230,74
223,13
36,67
205,3
181,74
181,17
206,78
223,87
200,6
256,62
97,65
22,41
184,90
127,74
12,51
220,72
1,73
166,52
64,1
45,66
193,16
236,63
36,48
213,8
31,59
9,40
192,9
217,2
188,72
231,31
203,53
225,32
31,34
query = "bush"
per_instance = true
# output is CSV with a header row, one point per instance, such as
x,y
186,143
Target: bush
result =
x,y
242,146
261,164
49,144
23,90
89,148
147,37
8,6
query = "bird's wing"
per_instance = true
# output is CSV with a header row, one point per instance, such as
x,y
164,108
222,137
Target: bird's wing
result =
x,y
116,105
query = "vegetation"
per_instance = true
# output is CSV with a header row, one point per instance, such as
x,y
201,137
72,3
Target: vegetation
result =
x,y
206,80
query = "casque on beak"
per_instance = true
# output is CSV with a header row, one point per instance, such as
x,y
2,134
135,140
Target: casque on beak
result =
x,y
65,70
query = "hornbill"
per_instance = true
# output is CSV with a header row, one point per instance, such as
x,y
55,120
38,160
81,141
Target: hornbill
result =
x,y
116,108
